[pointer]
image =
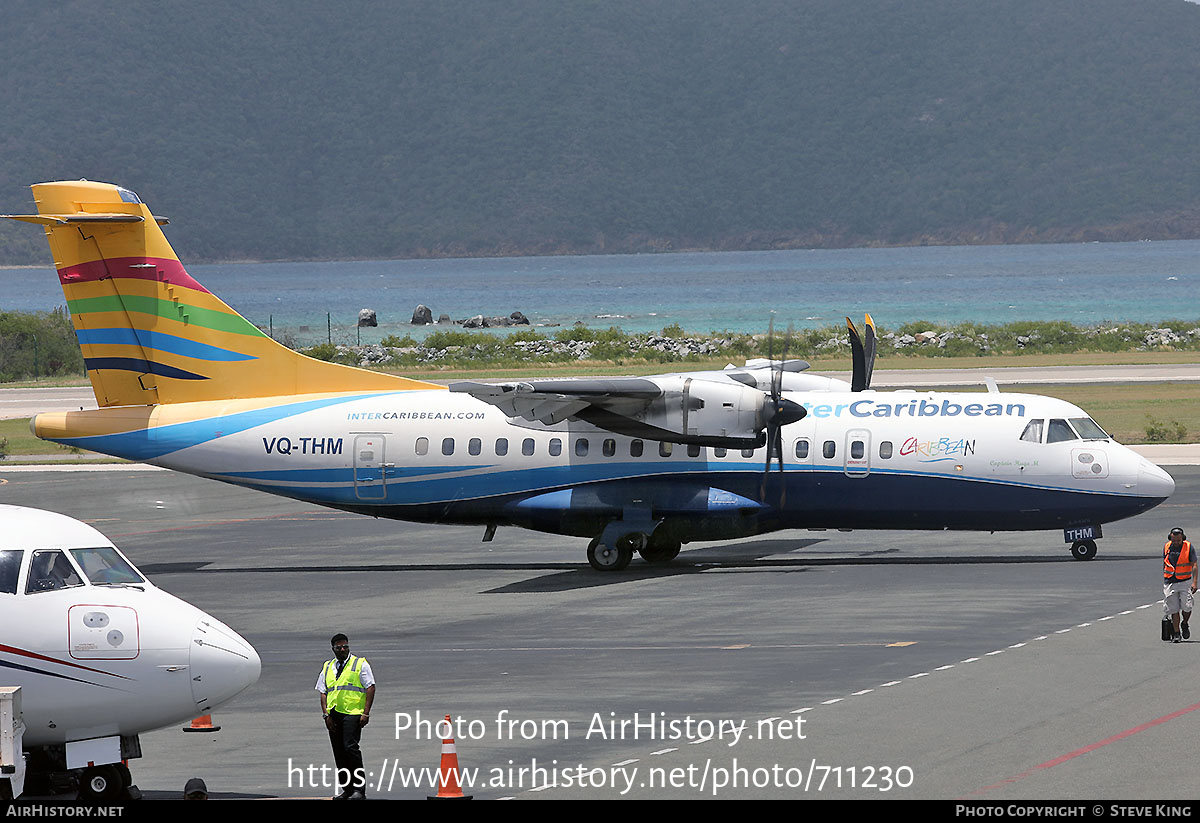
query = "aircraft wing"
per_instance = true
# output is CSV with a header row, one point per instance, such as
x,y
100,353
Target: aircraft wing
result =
x,y
676,408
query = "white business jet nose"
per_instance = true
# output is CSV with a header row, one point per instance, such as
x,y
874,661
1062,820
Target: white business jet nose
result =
x,y
222,663
1153,481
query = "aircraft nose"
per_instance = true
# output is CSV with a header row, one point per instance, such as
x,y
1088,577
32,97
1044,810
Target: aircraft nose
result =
x,y
1153,481
222,663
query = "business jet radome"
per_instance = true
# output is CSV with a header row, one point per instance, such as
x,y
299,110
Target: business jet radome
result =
x,y
101,654
637,464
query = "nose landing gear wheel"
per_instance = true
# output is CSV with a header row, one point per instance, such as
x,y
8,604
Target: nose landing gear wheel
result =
x,y
1083,549
101,783
609,558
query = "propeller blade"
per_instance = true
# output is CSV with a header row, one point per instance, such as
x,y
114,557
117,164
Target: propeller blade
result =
x,y
771,339
869,350
858,357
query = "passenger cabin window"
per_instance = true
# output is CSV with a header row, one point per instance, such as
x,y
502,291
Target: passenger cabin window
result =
x,y
719,452
1033,431
581,447
502,446
448,446
693,450
747,452
555,446
51,570
422,445
857,449
474,446
829,449
885,450
664,448
1060,432
636,447
802,449
104,567
527,447
10,570
610,447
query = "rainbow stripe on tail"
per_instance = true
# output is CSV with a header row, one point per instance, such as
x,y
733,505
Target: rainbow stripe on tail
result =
x,y
151,334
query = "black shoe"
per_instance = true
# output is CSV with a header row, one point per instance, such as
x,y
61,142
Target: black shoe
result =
x,y
1166,630
1178,638
357,794
1187,633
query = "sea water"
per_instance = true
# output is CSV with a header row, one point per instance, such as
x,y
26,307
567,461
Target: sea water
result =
x,y
1086,284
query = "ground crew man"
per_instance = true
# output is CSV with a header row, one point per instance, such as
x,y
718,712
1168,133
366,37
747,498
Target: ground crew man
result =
x,y
1179,584
347,688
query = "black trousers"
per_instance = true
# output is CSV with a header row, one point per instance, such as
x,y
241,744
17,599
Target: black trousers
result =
x,y
344,733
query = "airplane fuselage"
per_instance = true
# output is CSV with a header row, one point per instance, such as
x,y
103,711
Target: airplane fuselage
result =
x,y
884,460
98,650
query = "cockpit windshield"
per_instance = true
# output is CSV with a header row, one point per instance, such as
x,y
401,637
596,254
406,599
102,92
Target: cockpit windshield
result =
x,y
50,571
104,567
1060,431
10,570
1088,430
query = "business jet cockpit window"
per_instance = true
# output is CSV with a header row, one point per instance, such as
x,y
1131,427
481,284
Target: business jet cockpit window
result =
x,y
50,571
104,567
10,570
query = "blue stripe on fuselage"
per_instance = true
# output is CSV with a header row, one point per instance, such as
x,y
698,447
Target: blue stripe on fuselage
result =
x,y
157,441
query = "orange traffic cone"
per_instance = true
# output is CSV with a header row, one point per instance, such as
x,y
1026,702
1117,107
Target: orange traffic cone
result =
x,y
448,784
203,723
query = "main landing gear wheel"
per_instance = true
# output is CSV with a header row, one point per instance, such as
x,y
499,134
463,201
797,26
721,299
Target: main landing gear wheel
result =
x,y
1083,549
660,551
609,558
101,783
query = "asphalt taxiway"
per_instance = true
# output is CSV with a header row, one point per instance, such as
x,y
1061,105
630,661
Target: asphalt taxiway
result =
x,y
822,664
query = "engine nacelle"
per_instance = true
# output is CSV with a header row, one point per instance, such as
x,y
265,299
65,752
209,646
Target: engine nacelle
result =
x,y
693,412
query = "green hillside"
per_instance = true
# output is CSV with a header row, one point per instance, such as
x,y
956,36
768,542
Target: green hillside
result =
x,y
314,130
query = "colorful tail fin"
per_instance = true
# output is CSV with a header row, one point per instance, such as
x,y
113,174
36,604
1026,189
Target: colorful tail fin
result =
x,y
150,333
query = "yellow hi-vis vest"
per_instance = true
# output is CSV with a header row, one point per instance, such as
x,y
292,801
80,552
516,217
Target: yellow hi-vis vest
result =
x,y
345,694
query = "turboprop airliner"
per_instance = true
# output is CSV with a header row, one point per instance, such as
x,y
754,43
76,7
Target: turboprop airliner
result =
x,y
638,464
100,653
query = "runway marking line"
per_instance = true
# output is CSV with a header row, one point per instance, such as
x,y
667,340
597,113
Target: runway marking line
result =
x,y
1049,764
1028,772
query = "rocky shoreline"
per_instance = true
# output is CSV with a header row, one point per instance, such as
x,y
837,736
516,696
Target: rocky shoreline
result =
x,y
582,343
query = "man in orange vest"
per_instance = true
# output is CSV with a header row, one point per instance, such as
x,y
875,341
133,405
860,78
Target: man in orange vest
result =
x,y
1179,584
